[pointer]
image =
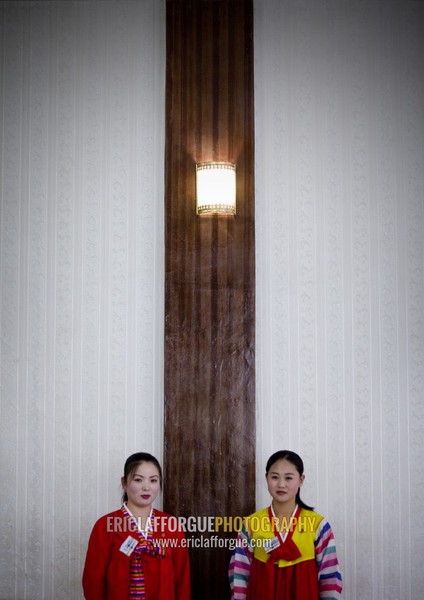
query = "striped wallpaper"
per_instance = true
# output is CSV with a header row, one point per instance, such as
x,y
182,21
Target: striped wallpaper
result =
x,y
340,273
339,265
82,130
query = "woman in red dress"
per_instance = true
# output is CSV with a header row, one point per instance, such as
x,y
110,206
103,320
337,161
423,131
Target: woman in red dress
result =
x,y
137,552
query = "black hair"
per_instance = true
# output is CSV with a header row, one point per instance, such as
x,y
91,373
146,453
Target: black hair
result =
x,y
133,462
296,461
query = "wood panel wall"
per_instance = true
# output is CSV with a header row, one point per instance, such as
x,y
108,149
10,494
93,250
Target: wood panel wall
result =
x,y
209,453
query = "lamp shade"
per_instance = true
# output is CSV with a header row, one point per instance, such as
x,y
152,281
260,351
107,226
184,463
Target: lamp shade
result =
x,y
215,188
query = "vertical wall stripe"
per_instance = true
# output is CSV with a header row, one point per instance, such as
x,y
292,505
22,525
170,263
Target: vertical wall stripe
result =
x,y
82,118
340,103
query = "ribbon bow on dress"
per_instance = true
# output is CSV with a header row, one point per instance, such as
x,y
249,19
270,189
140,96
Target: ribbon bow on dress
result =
x,y
148,547
137,583
145,547
287,550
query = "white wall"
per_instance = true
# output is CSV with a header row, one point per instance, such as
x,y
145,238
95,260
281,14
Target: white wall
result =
x,y
82,130
340,273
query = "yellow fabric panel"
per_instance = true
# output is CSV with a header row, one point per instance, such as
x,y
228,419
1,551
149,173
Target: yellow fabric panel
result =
x,y
260,528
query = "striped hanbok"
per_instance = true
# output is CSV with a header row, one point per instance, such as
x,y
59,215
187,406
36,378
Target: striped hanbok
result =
x,y
302,566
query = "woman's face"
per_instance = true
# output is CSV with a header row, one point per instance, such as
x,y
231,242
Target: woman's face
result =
x,y
284,481
142,487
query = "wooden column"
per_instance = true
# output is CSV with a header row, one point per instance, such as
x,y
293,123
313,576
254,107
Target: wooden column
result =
x,y
209,433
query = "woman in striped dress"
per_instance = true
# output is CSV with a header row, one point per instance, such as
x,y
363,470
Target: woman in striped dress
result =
x,y
285,551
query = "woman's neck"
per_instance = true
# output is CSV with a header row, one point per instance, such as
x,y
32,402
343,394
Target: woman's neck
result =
x,y
141,513
283,509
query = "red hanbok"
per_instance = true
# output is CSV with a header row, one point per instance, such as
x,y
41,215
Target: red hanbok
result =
x,y
107,567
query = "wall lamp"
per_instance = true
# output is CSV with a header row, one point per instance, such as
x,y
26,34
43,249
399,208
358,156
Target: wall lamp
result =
x,y
215,188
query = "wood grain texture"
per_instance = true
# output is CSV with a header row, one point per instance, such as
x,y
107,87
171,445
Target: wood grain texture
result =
x,y
210,276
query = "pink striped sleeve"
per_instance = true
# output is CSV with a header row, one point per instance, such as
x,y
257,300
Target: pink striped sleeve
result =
x,y
239,569
329,576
